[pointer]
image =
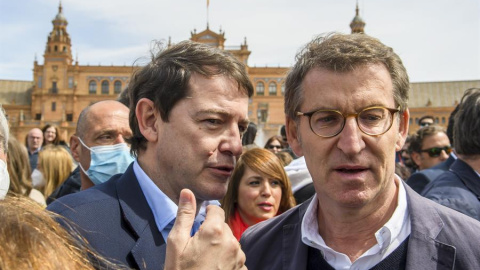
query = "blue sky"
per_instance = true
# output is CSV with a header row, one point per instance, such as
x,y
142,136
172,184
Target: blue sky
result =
x,y
437,40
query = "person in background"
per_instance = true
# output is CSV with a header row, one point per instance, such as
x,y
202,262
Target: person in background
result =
x,y
55,165
459,187
34,145
426,121
429,146
4,135
405,156
274,144
346,103
102,127
259,189
418,180
32,239
20,172
248,139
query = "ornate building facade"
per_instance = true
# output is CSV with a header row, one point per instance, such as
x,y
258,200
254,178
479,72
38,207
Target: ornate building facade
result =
x,y
62,87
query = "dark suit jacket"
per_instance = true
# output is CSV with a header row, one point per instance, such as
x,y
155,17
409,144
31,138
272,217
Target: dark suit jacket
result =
x,y
440,239
458,189
117,221
420,179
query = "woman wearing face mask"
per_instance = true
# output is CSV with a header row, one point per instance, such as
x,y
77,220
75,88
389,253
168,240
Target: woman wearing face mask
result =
x,y
259,189
55,165
20,172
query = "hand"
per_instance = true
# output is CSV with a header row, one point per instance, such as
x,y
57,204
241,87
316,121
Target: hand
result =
x,y
212,247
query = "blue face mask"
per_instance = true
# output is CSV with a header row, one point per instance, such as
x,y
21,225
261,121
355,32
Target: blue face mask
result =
x,y
106,161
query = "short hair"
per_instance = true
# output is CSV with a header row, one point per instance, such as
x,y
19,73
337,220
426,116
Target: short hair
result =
x,y
266,164
466,132
57,139
32,239
416,142
82,122
343,53
19,168
451,124
249,135
165,80
426,117
56,164
4,131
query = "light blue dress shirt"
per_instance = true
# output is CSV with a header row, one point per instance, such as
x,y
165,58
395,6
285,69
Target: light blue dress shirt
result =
x,y
164,210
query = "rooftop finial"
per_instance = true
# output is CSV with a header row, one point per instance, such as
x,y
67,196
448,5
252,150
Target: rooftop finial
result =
x,y
60,7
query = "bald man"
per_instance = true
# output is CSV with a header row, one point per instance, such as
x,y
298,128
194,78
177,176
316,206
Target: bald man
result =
x,y
99,144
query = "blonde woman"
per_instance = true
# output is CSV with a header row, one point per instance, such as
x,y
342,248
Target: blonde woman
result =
x,y
55,165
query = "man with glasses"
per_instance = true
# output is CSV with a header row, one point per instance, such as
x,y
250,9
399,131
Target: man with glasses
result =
x,y
346,113
459,188
429,147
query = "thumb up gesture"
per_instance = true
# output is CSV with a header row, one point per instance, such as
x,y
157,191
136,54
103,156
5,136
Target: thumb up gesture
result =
x,y
212,247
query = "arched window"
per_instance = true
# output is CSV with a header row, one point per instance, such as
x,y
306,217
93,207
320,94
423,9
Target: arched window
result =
x,y
272,89
260,89
117,87
283,89
92,87
105,87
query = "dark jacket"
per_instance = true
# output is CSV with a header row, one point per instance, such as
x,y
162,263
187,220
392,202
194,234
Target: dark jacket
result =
x,y
419,180
117,221
458,189
440,238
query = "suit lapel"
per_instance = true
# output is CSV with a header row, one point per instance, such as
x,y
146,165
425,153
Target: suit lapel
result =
x,y
149,250
424,250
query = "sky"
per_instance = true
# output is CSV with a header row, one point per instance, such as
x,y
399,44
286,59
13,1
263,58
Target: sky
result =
x,y
437,40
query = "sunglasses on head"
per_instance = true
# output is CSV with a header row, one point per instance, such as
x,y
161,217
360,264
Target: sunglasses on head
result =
x,y
437,151
274,146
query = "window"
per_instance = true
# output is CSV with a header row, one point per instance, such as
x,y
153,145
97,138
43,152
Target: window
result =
x,y
38,116
69,117
260,89
272,89
39,81
117,87
55,48
443,120
92,87
54,88
283,89
105,86
54,106
70,82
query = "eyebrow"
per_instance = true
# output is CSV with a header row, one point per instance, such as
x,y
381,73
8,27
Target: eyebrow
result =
x,y
222,113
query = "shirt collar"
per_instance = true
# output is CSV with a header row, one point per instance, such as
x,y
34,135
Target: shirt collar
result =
x,y
389,237
164,210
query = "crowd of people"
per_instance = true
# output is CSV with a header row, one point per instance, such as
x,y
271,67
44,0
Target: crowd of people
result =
x,y
169,176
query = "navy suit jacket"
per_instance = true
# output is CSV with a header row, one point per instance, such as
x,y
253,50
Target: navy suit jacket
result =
x,y
458,188
440,238
117,221
420,179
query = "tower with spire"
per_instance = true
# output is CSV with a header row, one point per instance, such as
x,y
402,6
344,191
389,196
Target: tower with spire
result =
x,y
357,25
58,42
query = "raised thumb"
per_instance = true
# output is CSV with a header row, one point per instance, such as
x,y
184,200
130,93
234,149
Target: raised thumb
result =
x,y
187,207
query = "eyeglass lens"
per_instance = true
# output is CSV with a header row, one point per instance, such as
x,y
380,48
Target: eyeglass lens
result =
x,y
437,151
372,121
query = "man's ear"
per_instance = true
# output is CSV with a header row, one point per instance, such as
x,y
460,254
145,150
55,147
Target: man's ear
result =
x,y
402,130
147,117
417,159
293,137
75,148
